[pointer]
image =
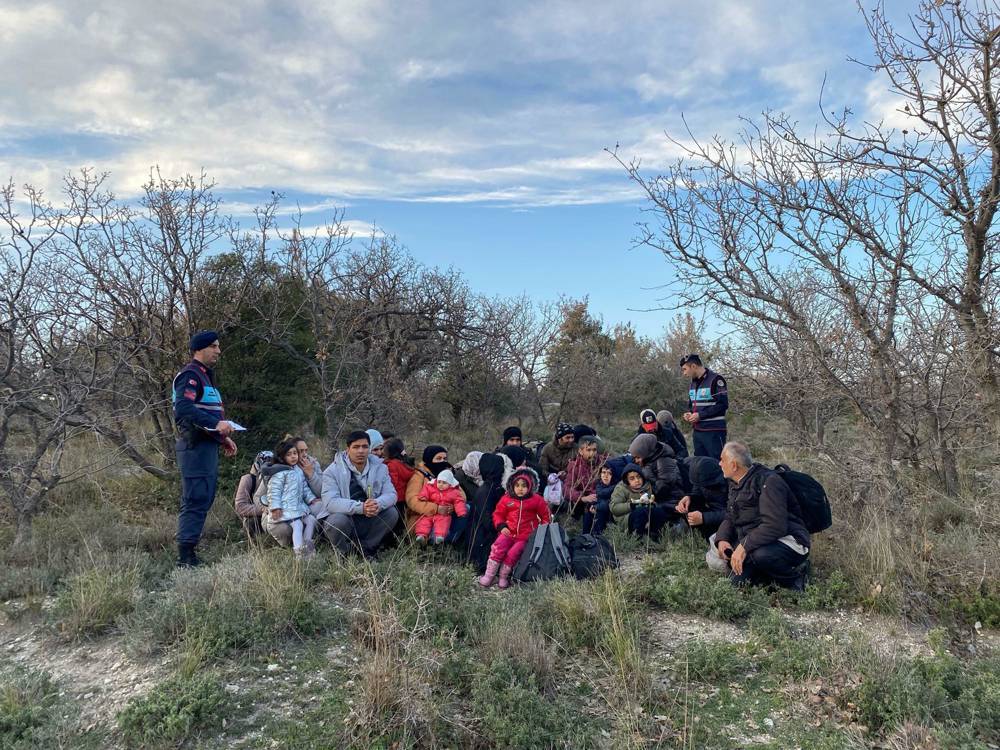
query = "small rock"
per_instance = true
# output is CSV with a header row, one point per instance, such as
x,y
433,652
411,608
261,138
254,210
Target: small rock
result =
x,y
273,667
769,723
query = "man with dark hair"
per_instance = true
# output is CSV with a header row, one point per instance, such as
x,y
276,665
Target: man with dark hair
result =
x,y
512,436
580,487
202,430
762,535
360,498
708,400
557,454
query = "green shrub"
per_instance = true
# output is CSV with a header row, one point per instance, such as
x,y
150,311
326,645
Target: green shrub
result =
x,y
92,600
511,711
567,611
244,602
939,691
713,661
27,702
172,711
679,588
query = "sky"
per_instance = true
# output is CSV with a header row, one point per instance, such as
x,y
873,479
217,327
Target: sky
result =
x,y
475,135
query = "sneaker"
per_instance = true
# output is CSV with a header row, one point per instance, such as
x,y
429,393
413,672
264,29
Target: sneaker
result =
x,y
439,540
421,539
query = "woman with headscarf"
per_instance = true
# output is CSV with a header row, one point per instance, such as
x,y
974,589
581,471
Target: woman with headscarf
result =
x,y
435,460
481,532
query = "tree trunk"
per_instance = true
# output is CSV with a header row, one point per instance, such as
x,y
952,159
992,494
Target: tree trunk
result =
x,y
22,529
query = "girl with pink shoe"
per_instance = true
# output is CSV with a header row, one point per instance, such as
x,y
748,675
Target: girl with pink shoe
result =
x,y
518,513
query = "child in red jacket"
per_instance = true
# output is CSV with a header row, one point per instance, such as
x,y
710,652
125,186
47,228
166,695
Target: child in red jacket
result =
x,y
443,491
518,513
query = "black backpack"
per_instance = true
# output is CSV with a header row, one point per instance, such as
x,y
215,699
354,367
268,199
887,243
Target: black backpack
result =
x,y
591,555
545,556
813,503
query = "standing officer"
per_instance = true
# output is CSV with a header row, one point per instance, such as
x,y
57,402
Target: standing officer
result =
x,y
708,401
202,428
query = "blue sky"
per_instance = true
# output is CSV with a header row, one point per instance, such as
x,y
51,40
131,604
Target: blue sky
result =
x,y
474,134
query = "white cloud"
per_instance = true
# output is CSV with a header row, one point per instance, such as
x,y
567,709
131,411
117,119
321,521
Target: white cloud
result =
x,y
363,98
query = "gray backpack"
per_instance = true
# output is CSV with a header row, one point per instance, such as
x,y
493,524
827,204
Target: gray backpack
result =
x,y
545,556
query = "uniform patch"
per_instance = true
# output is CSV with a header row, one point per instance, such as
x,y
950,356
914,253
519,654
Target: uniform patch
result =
x,y
192,382
721,382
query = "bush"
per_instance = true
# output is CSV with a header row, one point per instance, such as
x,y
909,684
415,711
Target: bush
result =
x,y
939,691
172,711
94,599
27,701
713,662
244,602
672,583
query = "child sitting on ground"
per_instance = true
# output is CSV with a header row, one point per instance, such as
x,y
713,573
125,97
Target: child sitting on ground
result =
x,y
443,491
634,498
597,516
289,496
518,513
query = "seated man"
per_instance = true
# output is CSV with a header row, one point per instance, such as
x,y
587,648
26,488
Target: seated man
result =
x,y
704,506
359,497
556,455
762,535
580,487
511,436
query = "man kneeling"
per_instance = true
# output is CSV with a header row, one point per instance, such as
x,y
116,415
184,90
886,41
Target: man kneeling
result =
x,y
360,498
762,535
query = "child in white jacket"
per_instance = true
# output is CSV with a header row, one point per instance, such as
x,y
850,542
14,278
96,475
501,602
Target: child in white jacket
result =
x,y
289,497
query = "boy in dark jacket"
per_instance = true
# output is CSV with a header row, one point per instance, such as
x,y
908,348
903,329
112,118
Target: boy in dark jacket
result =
x,y
705,506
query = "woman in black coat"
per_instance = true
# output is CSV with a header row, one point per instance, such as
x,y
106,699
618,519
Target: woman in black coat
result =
x,y
481,532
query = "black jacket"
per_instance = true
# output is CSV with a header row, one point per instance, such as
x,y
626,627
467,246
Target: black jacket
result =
x,y
709,492
481,532
660,467
670,435
760,510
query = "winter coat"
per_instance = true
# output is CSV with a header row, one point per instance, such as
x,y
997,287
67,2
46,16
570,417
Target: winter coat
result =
x,y
761,509
399,474
482,533
603,491
244,503
581,477
452,496
373,478
289,491
709,492
415,506
624,498
555,459
660,467
521,515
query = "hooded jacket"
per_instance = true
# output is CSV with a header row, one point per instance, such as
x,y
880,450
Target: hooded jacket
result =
x,y
582,476
373,478
709,492
482,534
761,509
289,491
400,473
624,498
660,467
521,515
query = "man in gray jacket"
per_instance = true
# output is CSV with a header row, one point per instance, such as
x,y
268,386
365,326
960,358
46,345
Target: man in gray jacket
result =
x,y
359,497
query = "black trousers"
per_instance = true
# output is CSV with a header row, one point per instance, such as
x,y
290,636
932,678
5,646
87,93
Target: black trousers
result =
x,y
709,443
775,563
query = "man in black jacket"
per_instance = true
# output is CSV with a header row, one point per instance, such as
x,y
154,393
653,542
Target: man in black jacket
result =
x,y
762,535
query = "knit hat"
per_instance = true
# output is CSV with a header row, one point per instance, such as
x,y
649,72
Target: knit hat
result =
x,y
263,460
664,417
643,446
512,432
448,478
647,418
432,450
374,437
563,429
583,430
203,340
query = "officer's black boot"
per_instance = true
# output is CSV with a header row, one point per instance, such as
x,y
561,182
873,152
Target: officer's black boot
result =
x,y
186,558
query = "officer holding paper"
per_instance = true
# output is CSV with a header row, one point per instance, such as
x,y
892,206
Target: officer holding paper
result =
x,y
202,429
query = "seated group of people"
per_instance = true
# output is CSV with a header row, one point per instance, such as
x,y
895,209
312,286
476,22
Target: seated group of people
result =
x,y
372,494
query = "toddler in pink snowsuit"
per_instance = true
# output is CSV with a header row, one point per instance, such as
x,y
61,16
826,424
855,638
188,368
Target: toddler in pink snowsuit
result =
x,y
442,491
